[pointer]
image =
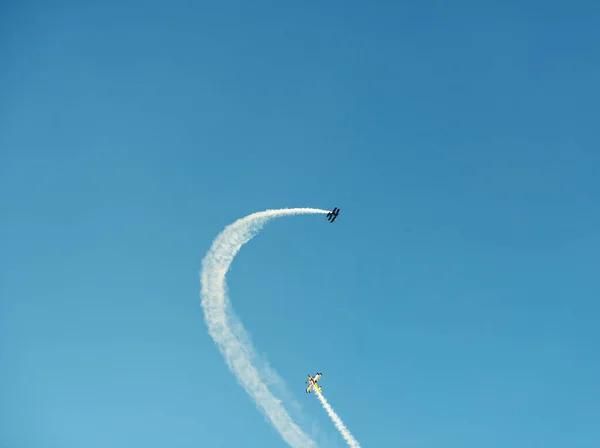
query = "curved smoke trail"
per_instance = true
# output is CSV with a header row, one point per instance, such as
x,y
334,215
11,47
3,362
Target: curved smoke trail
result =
x,y
228,332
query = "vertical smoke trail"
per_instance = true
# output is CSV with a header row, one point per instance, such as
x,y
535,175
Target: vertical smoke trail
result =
x,y
227,330
337,421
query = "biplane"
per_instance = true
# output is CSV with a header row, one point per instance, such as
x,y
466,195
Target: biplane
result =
x,y
333,214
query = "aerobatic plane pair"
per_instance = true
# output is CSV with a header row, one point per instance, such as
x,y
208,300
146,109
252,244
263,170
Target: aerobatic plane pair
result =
x,y
312,380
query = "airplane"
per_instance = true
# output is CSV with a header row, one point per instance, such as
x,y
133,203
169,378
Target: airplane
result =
x,y
333,214
312,381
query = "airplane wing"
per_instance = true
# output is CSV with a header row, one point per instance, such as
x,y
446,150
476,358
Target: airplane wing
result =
x,y
310,386
317,376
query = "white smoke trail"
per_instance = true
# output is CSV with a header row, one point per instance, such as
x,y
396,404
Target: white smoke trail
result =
x,y
337,421
228,332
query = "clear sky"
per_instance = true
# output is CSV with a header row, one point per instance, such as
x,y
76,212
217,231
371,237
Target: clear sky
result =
x,y
454,302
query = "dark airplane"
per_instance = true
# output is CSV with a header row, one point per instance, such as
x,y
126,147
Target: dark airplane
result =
x,y
333,214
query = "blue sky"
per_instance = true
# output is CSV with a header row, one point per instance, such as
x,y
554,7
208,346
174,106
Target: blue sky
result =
x,y
454,303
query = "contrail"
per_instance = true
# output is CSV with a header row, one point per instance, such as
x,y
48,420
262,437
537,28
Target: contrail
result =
x,y
337,421
227,330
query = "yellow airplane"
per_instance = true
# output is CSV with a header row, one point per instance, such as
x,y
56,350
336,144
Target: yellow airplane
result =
x,y
312,381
